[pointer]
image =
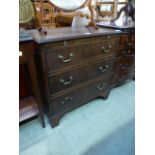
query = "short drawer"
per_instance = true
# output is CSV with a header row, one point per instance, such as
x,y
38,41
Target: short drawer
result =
x,y
124,63
76,76
64,57
125,52
80,96
127,41
122,77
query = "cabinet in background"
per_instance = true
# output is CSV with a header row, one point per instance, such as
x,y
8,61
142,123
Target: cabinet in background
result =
x,y
30,104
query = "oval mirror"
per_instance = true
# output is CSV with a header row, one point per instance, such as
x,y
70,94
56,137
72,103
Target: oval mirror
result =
x,y
68,5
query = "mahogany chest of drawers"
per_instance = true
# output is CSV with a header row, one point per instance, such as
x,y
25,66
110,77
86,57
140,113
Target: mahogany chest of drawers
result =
x,y
124,66
76,66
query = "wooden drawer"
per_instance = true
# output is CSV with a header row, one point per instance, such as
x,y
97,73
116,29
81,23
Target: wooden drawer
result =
x,y
126,52
77,42
127,41
122,77
76,76
77,97
64,57
124,63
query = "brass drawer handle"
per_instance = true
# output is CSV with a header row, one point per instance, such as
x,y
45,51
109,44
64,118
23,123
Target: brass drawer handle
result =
x,y
67,60
67,99
106,50
66,82
103,69
101,87
65,44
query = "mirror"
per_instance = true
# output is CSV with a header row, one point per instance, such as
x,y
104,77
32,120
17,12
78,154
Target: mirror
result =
x,y
68,5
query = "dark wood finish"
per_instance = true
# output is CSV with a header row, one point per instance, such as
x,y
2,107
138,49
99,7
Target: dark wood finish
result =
x,y
27,57
82,73
127,40
23,87
56,57
76,66
125,59
71,80
27,108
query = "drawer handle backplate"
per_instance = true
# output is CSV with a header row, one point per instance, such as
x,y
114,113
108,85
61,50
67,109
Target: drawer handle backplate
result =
x,y
66,82
67,99
106,50
67,60
103,69
101,87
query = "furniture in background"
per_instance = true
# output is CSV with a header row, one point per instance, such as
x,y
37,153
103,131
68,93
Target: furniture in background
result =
x,y
30,104
47,18
124,65
64,19
105,10
76,66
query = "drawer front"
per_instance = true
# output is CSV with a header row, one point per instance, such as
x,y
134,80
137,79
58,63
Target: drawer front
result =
x,y
76,76
126,52
127,40
61,57
77,42
64,57
80,96
124,63
122,77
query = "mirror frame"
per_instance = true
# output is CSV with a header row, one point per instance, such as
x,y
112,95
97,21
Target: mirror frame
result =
x,y
82,5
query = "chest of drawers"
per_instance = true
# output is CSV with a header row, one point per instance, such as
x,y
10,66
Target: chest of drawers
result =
x,y
74,68
124,66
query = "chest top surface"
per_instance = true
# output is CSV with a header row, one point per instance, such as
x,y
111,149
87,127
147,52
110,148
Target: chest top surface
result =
x,y
68,33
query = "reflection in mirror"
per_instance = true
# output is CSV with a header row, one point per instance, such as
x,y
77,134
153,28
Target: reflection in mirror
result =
x,y
106,9
68,5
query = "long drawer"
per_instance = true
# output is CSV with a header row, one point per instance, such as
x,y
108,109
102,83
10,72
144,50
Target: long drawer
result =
x,y
76,76
70,55
80,96
77,42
